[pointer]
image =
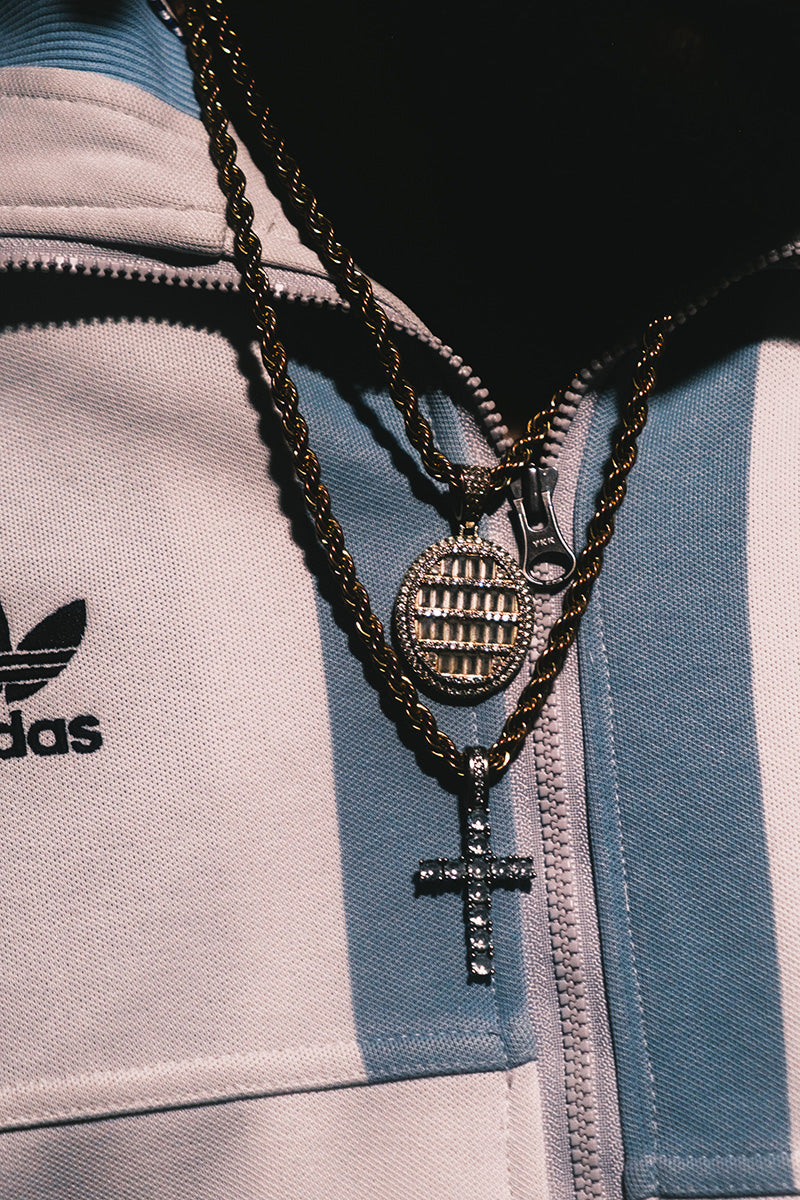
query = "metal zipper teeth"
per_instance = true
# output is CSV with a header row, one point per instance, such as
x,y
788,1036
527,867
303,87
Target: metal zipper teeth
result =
x,y
113,266
577,1056
583,381
561,898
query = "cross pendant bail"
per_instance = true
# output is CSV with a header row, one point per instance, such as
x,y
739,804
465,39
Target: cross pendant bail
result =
x,y
477,872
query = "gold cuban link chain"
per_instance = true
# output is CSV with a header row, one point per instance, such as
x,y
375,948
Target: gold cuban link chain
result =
x,y
211,37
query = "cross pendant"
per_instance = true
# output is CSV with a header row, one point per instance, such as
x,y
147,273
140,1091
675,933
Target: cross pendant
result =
x,y
477,872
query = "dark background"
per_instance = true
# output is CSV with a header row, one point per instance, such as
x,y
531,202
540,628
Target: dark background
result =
x,y
538,181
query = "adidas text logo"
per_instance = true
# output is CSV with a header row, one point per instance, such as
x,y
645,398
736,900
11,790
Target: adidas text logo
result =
x,y
40,656
49,736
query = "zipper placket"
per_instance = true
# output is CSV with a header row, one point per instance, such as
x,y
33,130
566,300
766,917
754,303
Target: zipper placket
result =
x,y
592,1133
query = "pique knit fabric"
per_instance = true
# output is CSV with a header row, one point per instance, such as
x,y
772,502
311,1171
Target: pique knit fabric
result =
x,y
218,979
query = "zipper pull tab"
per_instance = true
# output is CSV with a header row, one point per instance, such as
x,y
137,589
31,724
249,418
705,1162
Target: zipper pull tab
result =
x,y
542,542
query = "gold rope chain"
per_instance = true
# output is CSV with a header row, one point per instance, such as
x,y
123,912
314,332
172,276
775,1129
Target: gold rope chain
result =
x,y
211,39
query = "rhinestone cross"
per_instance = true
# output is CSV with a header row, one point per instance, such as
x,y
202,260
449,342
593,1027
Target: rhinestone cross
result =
x,y
477,872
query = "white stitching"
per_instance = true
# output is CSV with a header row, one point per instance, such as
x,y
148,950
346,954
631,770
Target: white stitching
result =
x,y
109,106
507,1133
100,208
628,921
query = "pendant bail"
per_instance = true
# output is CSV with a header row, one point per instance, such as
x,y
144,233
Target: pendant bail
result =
x,y
470,496
477,760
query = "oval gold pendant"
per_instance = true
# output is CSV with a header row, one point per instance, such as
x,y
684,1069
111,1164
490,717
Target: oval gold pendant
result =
x,y
464,619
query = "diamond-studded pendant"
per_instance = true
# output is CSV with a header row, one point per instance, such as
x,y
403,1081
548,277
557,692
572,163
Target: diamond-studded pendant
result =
x,y
478,871
464,618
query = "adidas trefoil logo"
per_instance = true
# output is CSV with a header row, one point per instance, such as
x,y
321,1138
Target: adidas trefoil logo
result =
x,y
43,653
40,656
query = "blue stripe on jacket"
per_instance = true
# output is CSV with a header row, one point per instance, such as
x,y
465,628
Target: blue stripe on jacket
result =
x,y
675,806
414,1011
124,40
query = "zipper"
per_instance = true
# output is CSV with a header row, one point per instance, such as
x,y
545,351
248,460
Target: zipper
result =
x,y
591,1138
293,286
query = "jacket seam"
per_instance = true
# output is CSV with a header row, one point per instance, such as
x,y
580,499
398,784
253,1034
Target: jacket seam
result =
x,y
625,889
293,1048
132,208
90,102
